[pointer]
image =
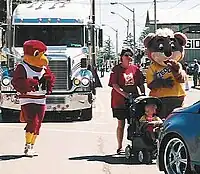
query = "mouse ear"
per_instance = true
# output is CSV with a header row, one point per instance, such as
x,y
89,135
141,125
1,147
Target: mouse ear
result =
x,y
148,39
182,38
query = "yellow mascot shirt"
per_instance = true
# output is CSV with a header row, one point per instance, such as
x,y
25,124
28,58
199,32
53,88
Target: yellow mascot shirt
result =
x,y
163,72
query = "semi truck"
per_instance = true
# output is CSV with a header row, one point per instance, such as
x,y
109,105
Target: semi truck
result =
x,y
65,27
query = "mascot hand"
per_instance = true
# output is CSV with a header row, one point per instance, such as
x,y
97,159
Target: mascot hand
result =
x,y
161,83
50,79
168,82
173,65
31,83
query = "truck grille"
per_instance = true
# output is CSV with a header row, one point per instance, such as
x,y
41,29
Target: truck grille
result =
x,y
55,100
60,69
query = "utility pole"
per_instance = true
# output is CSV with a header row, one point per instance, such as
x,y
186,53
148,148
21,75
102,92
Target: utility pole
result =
x,y
94,70
93,34
10,60
116,31
134,46
127,29
155,19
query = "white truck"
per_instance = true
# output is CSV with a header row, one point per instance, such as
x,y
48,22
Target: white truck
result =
x,y
65,28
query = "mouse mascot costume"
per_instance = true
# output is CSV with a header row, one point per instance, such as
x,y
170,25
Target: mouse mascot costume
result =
x,y
32,79
165,76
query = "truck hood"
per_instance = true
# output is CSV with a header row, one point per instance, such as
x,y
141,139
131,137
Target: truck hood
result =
x,y
65,51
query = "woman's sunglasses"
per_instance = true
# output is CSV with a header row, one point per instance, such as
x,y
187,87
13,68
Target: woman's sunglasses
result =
x,y
128,54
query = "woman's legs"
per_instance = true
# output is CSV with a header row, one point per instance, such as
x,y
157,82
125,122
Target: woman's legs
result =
x,y
120,132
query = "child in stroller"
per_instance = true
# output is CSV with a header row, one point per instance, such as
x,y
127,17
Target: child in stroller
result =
x,y
150,122
142,124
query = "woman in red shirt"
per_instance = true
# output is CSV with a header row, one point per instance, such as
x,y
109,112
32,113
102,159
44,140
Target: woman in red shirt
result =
x,y
124,79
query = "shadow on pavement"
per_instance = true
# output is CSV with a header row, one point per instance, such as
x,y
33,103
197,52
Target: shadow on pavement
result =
x,y
109,159
10,157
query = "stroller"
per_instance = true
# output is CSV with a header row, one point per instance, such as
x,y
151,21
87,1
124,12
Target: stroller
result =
x,y
142,147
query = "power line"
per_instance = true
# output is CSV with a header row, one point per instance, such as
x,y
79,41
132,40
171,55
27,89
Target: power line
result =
x,y
194,6
175,5
146,11
189,9
130,3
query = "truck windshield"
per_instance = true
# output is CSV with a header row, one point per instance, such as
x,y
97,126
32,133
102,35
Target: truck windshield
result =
x,y
71,36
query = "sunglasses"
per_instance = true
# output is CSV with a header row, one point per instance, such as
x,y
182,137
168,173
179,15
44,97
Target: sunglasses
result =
x,y
128,54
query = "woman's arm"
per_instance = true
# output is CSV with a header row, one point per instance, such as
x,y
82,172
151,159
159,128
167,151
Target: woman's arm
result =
x,y
142,89
141,81
119,90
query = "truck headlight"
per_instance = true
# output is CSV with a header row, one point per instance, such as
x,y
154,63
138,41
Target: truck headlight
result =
x,y
6,81
85,81
77,82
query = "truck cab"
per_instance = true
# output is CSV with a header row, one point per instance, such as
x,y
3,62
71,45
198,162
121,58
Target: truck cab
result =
x,y
64,28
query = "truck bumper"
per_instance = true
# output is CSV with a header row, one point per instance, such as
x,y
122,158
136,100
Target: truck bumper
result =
x,y
70,102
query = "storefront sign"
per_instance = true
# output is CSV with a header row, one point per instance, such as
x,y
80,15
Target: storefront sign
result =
x,y
193,44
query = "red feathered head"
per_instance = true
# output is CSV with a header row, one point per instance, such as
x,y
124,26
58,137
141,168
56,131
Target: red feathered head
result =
x,y
34,53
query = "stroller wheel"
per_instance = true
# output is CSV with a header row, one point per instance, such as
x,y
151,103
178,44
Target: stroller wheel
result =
x,y
144,157
128,152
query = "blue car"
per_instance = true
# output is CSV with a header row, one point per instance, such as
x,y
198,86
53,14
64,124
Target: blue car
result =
x,y
179,142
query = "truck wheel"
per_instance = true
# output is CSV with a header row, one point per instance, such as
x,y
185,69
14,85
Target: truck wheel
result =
x,y
9,115
86,114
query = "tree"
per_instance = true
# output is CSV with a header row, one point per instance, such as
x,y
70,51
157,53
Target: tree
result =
x,y
129,42
3,9
108,52
144,33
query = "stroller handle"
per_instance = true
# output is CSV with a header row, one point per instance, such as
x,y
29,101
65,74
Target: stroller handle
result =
x,y
131,97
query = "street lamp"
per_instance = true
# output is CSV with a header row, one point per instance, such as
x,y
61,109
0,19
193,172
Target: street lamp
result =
x,y
116,31
123,19
133,11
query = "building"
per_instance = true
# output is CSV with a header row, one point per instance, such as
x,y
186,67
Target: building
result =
x,y
180,20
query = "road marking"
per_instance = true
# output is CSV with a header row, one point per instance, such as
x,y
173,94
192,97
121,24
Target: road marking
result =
x,y
64,130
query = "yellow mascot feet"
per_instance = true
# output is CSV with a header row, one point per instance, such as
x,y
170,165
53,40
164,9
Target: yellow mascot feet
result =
x,y
30,141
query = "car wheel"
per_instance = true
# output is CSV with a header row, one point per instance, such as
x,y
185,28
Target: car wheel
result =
x,y
176,158
128,152
144,157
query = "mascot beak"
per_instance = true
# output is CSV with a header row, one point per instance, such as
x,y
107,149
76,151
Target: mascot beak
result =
x,y
43,60
38,60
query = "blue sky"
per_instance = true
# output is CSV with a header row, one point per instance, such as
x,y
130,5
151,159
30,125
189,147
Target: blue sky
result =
x,y
104,16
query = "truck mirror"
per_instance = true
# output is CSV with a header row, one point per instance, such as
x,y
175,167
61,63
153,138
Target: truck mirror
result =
x,y
100,37
1,37
83,63
86,35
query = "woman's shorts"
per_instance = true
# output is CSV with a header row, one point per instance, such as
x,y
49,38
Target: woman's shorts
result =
x,y
120,114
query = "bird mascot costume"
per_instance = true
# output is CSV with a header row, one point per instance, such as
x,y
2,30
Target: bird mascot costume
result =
x,y
165,76
32,79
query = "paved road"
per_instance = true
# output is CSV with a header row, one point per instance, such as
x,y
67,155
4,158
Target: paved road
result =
x,y
73,148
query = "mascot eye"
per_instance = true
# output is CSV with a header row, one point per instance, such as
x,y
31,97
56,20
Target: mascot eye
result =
x,y
36,53
172,45
161,46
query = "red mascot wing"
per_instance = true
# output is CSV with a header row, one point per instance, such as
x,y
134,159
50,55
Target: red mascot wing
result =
x,y
50,78
20,81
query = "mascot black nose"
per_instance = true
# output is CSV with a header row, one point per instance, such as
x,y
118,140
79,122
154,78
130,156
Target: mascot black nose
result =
x,y
168,53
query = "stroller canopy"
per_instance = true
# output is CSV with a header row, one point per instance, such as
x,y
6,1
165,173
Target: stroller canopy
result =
x,y
141,101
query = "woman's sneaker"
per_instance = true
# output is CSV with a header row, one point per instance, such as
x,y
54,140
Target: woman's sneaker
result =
x,y
120,151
